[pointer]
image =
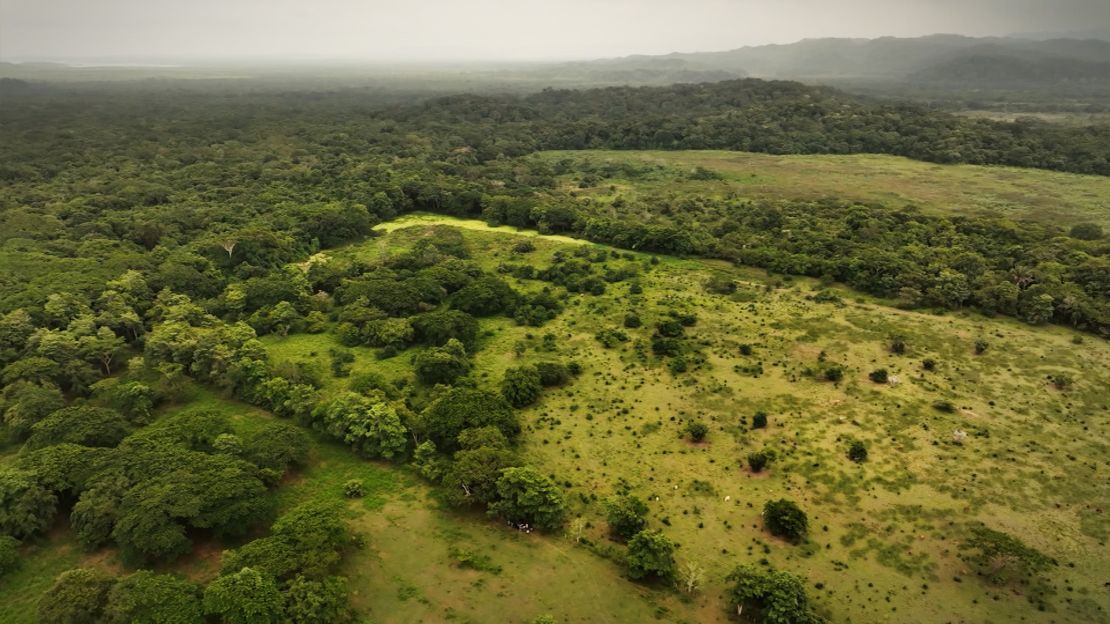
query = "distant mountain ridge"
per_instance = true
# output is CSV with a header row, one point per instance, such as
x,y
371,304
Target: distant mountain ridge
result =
x,y
941,59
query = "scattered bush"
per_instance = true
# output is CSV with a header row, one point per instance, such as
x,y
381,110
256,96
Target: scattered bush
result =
x,y
879,376
834,374
785,519
521,386
770,597
759,420
857,451
758,460
697,430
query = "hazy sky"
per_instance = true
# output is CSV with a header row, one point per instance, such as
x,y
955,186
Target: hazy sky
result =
x,y
492,29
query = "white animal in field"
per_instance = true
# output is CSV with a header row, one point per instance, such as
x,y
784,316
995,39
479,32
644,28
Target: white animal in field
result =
x,y
728,498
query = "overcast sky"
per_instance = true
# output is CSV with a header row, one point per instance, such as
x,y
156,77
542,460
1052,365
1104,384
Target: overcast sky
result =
x,y
492,29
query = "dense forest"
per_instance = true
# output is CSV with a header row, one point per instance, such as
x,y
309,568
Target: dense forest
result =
x,y
151,236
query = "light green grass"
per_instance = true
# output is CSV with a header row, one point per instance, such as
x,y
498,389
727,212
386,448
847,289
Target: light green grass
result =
x,y
881,532
1048,196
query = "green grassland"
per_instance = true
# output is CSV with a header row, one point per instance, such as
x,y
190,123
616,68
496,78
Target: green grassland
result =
x,y
884,535
1061,198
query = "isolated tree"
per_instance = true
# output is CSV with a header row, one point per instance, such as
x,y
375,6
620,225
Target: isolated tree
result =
x,y
525,495
521,386
879,376
626,514
650,556
759,420
785,519
691,575
768,596
244,597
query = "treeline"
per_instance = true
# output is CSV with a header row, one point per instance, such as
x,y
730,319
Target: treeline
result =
x,y
751,115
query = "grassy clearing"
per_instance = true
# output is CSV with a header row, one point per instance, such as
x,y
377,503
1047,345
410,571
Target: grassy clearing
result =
x,y
1062,198
884,534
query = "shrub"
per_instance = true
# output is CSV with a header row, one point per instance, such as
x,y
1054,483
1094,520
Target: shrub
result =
x,y
670,328
759,420
785,519
524,246
627,515
980,346
442,364
521,386
758,460
897,345
745,349
1086,231
834,374
1062,381
552,373
354,489
697,430
318,602
650,555
632,321
9,554
720,284
77,597
929,364
879,376
857,451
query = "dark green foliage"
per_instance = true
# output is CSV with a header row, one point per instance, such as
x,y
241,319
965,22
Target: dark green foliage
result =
x,y
84,425
436,328
857,451
306,540
785,519
759,420
663,346
632,321
77,597
471,478
341,361
9,555
626,514
155,598
879,376
26,507
610,338
670,328
24,404
460,409
697,430
768,596
1001,557
721,284
321,601
552,373
244,597
442,364
897,345
521,386
1086,231
650,556
371,425
276,446
486,296
929,364
525,495
758,460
